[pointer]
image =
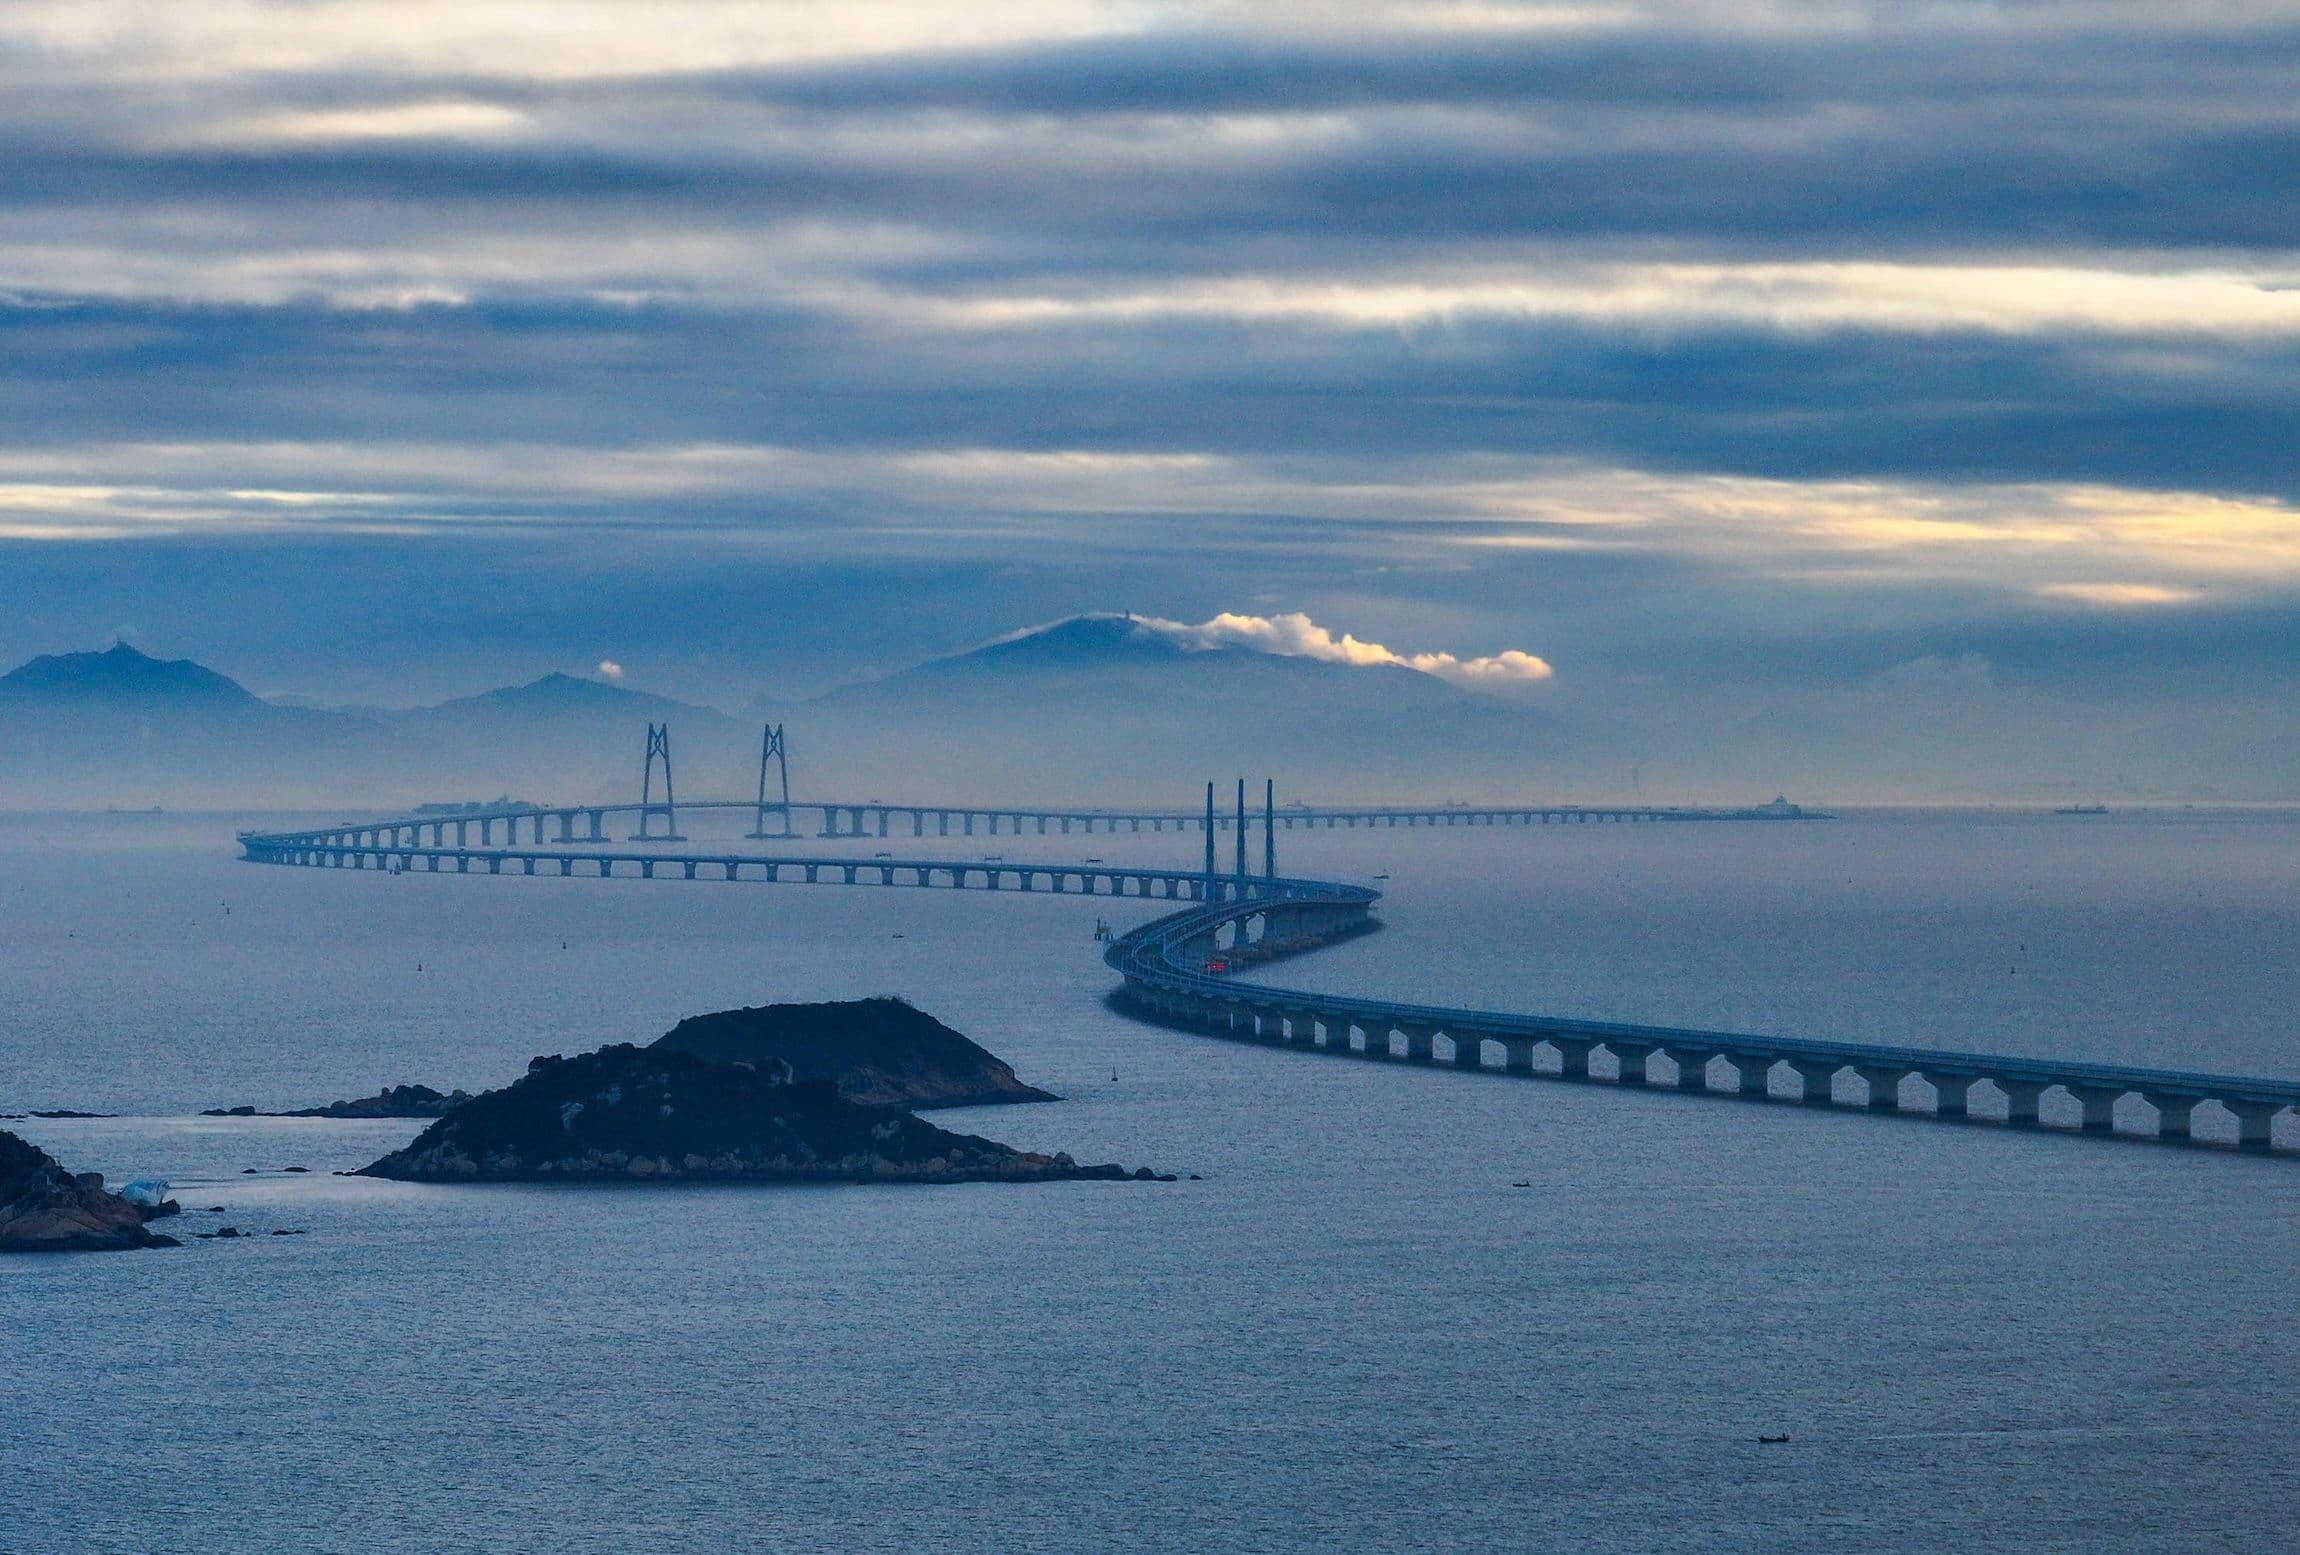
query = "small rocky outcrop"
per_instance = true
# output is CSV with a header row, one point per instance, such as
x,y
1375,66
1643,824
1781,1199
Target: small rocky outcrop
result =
x,y
658,1114
44,1208
393,1101
881,1052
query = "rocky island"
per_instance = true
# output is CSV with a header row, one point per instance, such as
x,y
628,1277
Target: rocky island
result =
x,y
662,1114
882,1052
393,1101
44,1208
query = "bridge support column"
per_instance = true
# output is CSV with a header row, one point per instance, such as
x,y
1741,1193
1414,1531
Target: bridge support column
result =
x,y
1632,1057
2099,1103
1884,1086
1574,1054
1755,1074
2173,1114
2021,1098
1816,1079
2253,1122
1469,1051
1517,1055
1692,1067
1421,1044
1951,1094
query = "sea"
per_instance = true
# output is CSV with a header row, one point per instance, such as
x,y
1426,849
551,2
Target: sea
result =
x,y
1384,1309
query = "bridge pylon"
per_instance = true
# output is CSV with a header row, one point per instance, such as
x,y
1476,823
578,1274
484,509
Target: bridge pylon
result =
x,y
1241,839
772,748
1270,828
650,809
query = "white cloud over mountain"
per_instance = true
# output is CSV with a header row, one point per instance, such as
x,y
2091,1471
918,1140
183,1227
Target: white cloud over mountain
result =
x,y
1296,635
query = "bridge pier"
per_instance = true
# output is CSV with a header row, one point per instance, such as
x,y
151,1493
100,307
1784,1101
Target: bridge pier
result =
x,y
2254,1122
2173,1114
1753,1073
1816,1080
1951,1093
1632,1058
1517,1055
2021,1097
1420,1044
1469,1051
1884,1085
2099,1104
1692,1066
1573,1054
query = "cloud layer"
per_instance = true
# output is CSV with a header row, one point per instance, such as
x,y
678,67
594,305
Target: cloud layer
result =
x,y
1746,342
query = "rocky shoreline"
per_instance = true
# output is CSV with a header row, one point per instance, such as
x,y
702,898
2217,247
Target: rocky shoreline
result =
x,y
46,1209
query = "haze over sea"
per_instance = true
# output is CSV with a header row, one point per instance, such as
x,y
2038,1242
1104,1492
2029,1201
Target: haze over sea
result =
x,y
1353,1333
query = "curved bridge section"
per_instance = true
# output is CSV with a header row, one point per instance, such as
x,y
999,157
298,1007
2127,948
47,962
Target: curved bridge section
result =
x,y
1176,970
1179,968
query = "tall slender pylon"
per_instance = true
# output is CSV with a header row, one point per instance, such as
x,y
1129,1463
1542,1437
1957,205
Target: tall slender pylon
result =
x,y
1241,828
1270,828
658,747
1209,829
771,748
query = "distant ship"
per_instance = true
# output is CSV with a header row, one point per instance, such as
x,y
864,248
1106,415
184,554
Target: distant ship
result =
x,y
2082,809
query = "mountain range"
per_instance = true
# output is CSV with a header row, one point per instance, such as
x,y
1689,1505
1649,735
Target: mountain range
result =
x,y
1102,707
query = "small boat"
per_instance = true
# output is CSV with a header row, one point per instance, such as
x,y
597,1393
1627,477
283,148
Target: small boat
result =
x,y
1521,1185
1384,875
2082,809
1773,1441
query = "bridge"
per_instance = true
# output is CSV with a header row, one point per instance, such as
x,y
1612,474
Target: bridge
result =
x,y
589,823
1180,968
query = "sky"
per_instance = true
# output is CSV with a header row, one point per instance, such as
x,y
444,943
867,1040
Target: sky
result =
x,y
1915,378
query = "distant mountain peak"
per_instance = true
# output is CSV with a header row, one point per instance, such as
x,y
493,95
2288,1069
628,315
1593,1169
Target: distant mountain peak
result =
x,y
121,672
560,694
1109,638
1084,637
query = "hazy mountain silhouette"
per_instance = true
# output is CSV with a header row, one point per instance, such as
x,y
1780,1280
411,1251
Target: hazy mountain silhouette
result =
x,y
85,730
121,676
1113,706
564,736
1096,707
120,728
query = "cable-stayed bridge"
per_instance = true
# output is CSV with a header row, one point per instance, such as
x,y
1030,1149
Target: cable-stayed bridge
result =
x,y
1183,967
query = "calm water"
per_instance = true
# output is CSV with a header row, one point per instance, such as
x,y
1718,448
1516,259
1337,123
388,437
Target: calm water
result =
x,y
1352,1334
